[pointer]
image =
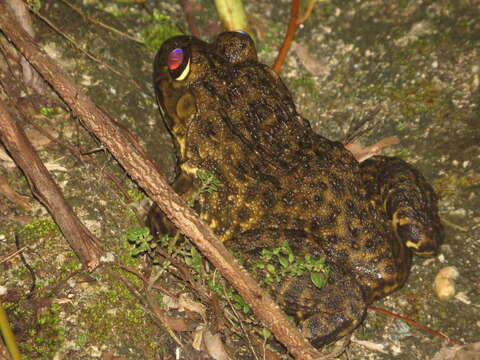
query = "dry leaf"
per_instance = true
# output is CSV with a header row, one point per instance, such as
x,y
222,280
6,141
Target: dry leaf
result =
x,y
214,346
363,153
62,301
178,324
466,352
185,303
197,338
55,167
370,345
12,195
170,302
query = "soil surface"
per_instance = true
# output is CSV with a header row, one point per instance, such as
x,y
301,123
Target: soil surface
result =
x,y
414,64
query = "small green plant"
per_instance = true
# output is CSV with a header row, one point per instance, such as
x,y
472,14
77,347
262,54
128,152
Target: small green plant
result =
x,y
136,195
38,229
267,334
142,240
280,262
160,29
218,285
47,111
194,260
210,184
239,303
35,4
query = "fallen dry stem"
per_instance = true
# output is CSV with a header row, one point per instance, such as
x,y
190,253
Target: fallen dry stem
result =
x,y
85,245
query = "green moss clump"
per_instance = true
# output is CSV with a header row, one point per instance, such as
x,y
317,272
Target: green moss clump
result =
x,y
39,335
38,229
115,314
160,29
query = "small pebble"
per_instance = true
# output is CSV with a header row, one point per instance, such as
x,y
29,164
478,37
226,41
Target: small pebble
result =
x,y
444,283
107,258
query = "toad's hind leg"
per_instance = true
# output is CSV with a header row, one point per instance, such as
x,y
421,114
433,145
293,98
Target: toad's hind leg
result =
x,y
326,314
406,199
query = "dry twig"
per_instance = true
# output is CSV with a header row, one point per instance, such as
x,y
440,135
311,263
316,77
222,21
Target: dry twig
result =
x,y
292,28
102,24
85,245
86,53
188,10
415,324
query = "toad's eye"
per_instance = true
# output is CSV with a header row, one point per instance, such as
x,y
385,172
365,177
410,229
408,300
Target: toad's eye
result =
x,y
178,63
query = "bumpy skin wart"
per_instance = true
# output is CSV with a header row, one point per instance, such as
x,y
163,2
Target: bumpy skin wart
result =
x,y
232,116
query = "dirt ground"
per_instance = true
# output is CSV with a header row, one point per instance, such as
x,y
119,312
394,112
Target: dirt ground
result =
x,y
416,62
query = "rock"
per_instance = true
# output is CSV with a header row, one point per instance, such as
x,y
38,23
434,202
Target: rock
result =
x,y
444,283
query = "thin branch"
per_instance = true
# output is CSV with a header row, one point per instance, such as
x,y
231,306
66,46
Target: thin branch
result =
x,y
85,245
308,12
13,254
292,28
85,52
26,110
92,161
188,11
101,24
414,324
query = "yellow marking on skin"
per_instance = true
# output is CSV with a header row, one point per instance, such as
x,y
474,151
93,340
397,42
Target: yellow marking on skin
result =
x,y
181,145
384,204
413,245
403,221
185,72
213,223
187,168
225,236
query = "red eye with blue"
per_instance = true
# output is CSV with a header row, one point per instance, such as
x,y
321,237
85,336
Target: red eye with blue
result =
x,y
175,59
178,63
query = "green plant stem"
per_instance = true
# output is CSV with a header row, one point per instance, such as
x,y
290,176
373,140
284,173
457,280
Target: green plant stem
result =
x,y
232,14
8,335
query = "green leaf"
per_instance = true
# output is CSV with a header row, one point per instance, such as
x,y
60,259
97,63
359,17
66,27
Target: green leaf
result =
x,y
266,333
317,279
283,261
291,258
46,111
